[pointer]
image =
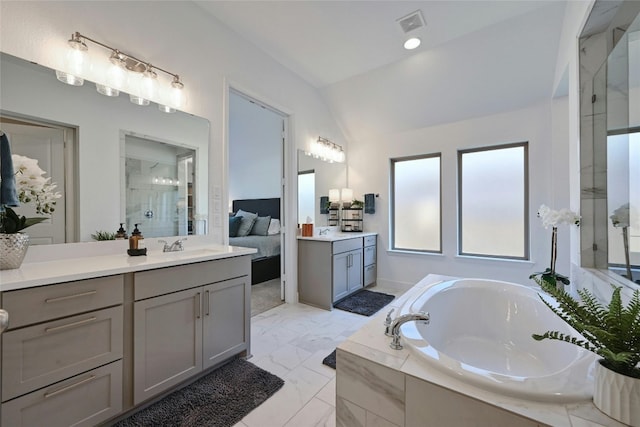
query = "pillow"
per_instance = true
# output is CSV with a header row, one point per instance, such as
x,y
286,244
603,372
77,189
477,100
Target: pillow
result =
x,y
234,225
261,226
274,227
246,225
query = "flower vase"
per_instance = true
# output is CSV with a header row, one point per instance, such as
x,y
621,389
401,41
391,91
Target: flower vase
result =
x,y
617,395
13,248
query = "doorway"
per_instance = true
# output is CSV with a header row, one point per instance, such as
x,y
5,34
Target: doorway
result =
x,y
53,146
257,140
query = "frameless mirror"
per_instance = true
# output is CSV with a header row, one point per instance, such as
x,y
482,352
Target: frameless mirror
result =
x,y
315,178
86,154
622,71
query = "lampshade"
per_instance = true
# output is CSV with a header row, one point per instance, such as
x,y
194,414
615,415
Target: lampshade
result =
x,y
334,195
347,195
75,63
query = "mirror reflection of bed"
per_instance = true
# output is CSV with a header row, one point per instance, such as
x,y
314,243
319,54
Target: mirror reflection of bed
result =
x,y
263,235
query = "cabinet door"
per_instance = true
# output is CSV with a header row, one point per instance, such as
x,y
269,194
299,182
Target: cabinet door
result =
x,y
355,271
167,347
225,326
340,275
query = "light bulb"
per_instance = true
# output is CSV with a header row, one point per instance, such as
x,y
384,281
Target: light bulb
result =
x,y
412,43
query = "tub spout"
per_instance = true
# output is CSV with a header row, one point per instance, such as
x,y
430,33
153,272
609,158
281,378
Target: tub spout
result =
x,y
399,321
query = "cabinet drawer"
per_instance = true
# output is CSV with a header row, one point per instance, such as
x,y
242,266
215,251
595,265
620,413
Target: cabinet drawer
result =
x,y
39,355
370,275
369,255
84,400
44,303
370,240
162,281
347,245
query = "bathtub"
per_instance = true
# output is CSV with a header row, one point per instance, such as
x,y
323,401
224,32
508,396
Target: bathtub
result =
x,y
480,333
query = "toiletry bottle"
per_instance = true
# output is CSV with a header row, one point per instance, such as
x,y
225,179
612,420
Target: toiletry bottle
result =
x,y
133,240
141,243
121,234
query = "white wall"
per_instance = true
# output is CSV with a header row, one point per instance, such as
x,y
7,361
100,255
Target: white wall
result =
x,y
255,150
180,37
369,172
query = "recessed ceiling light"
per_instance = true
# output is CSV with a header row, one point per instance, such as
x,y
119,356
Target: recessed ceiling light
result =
x,y
412,43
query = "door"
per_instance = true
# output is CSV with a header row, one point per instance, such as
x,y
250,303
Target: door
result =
x,y
46,145
168,341
224,328
341,275
355,271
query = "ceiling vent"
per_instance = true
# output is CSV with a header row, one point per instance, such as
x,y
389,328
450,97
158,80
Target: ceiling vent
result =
x,y
411,22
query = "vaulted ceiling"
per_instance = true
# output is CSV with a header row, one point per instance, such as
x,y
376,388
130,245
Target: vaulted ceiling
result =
x,y
476,57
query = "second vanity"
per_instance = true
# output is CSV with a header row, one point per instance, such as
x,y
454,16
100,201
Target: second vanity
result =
x,y
333,266
91,338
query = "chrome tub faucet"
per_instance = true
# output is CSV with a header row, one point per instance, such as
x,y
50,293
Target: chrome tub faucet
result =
x,y
399,321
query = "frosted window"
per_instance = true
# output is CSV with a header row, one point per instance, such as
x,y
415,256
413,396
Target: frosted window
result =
x,y
493,202
416,204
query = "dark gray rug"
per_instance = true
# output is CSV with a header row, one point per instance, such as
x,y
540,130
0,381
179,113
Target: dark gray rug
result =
x,y
330,360
365,302
221,398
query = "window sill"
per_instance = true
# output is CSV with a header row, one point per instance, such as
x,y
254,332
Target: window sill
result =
x,y
484,258
419,253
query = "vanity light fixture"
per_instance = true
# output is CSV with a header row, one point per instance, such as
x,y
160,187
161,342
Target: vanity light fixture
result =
x,y
326,150
125,73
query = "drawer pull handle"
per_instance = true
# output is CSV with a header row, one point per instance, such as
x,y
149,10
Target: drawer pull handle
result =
x,y
69,387
83,294
70,325
198,305
208,303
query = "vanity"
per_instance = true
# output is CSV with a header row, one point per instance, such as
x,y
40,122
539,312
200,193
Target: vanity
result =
x,y
93,337
333,266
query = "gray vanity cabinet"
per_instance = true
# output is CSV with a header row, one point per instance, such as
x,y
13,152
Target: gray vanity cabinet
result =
x,y
63,349
186,319
329,270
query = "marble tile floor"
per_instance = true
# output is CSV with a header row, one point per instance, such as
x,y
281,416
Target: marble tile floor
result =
x,y
290,341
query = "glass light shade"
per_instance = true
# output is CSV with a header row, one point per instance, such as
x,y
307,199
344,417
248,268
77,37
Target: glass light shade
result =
x,y
166,109
106,90
138,100
149,85
75,67
116,76
341,157
177,96
69,79
334,195
347,195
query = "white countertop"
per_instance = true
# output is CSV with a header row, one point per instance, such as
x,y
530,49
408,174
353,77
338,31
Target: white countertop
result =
x,y
95,264
337,236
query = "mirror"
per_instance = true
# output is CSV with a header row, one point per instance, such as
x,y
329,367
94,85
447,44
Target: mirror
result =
x,y
622,71
315,178
94,128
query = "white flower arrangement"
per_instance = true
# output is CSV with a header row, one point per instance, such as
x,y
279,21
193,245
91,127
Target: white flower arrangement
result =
x,y
31,186
554,218
620,217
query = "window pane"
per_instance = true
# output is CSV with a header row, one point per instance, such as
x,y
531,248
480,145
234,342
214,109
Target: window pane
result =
x,y
492,207
416,204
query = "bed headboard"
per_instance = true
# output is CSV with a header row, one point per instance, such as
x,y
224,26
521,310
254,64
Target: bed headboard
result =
x,y
263,207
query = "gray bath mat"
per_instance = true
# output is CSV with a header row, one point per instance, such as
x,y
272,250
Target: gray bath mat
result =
x,y
219,399
330,360
365,302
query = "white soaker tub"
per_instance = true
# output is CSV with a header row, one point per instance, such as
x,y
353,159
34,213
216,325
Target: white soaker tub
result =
x,y
480,333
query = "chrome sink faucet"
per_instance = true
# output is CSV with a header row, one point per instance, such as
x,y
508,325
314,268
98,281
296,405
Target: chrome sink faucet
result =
x,y
174,247
322,232
399,321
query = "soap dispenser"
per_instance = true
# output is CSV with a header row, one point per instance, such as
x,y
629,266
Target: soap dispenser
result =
x,y
121,234
136,243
